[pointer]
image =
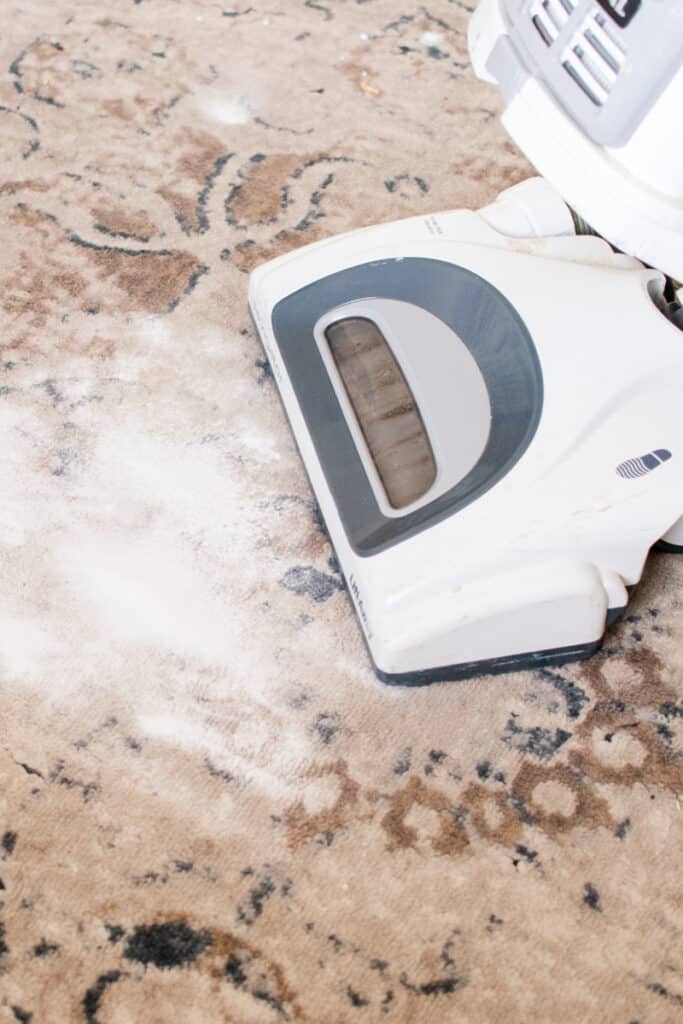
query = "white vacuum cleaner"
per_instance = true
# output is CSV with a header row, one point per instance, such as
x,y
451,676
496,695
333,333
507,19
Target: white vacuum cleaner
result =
x,y
489,404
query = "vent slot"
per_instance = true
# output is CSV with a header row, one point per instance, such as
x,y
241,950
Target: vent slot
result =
x,y
542,30
594,71
598,27
603,53
594,60
549,17
556,12
576,71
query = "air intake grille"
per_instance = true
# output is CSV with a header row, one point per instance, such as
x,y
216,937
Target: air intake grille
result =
x,y
594,60
593,57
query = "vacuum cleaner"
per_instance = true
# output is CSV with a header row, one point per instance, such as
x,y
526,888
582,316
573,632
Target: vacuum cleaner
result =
x,y
488,404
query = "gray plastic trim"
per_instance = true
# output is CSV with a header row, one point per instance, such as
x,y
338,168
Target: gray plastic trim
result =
x,y
480,316
491,666
507,69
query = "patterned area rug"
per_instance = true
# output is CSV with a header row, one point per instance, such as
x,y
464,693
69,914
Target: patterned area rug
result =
x,y
210,810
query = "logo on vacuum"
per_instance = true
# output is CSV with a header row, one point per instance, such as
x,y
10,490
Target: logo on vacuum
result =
x,y
633,468
355,590
621,10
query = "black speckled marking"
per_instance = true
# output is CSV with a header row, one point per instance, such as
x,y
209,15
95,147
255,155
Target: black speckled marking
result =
x,y
305,580
591,897
326,726
167,945
623,828
574,696
541,743
249,910
45,948
402,762
355,998
91,999
8,842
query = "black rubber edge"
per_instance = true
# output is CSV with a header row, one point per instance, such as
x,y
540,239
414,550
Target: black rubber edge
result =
x,y
490,666
614,614
671,549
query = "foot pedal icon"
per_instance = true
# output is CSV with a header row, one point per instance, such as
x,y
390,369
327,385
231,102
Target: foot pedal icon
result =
x,y
633,468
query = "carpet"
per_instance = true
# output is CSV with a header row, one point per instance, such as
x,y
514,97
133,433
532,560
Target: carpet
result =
x,y
210,810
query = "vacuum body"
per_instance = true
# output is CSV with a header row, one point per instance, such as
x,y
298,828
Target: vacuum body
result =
x,y
488,403
593,93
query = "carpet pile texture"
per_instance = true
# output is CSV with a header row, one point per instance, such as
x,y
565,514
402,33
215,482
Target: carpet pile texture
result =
x,y
210,810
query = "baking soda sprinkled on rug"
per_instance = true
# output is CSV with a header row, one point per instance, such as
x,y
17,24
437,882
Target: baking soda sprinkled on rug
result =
x,y
210,810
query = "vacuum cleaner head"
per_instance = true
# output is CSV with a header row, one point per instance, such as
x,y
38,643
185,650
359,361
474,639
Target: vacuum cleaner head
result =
x,y
488,406
491,444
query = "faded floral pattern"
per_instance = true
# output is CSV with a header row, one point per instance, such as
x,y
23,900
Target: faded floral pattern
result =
x,y
210,810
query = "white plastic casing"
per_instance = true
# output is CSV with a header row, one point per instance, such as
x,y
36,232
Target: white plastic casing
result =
x,y
536,562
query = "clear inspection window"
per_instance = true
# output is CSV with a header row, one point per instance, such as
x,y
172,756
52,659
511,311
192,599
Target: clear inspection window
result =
x,y
385,408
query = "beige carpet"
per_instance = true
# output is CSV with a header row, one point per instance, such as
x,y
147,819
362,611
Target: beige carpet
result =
x,y
210,811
